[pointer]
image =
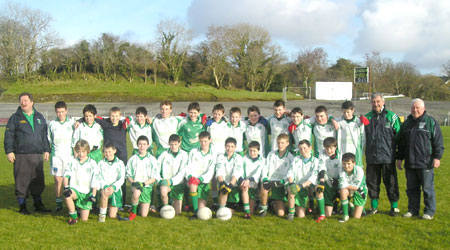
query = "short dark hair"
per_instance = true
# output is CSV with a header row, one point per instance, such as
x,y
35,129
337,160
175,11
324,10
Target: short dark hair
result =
x,y
297,110
305,142
143,138
166,103
109,145
90,108
60,104
329,142
279,103
253,108
235,110
347,105
175,138
141,110
320,109
204,134
254,144
348,157
114,109
219,107
194,105
230,140
26,94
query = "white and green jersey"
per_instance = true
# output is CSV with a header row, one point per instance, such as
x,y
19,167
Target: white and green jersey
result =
x,y
332,166
135,130
60,137
229,168
277,166
277,126
219,131
238,134
92,134
303,170
259,133
142,169
111,173
356,178
82,176
173,166
303,131
163,129
351,138
201,165
252,169
321,132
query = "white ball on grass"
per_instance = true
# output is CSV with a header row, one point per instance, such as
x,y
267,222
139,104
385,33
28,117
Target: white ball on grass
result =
x,y
204,213
167,212
224,213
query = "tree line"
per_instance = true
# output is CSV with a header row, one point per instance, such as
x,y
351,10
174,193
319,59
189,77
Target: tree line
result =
x,y
241,56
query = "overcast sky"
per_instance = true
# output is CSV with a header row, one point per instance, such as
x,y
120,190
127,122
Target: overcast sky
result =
x,y
415,31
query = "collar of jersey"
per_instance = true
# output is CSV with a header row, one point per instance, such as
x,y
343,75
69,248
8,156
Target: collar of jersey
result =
x,y
146,155
88,124
111,162
139,125
66,120
348,121
239,124
285,154
254,160
84,161
201,152
232,157
309,160
172,153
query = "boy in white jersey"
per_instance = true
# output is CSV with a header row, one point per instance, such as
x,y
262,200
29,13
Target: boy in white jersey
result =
x,y
274,176
278,123
112,177
141,171
228,171
248,183
91,132
59,134
172,164
299,129
352,183
257,129
80,183
330,163
322,128
164,125
301,175
138,126
237,129
351,136
199,172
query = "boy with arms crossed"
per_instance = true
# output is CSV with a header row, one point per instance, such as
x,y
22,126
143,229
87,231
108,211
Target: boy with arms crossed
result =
x,y
142,171
91,132
80,183
299,129
278,123
59,134
257,129
191,127
164,125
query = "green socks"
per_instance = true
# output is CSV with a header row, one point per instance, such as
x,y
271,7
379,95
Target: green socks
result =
x,y
59,201
394,204
73,215
344,204
292,210
321,203
247,208
194,200
374,204
134,208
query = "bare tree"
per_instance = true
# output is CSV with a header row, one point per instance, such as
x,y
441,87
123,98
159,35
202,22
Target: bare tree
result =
x,y
311,63
217,53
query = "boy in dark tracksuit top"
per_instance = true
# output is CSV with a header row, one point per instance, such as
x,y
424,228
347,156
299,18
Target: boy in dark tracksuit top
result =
x,y
421,146
381,135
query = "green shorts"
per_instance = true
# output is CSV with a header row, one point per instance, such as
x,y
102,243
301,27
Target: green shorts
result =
x,y
177,192
82,200
146,195
96,155
301,198
358,200
253,194
203,191
278,194
233,196
330,194
115,200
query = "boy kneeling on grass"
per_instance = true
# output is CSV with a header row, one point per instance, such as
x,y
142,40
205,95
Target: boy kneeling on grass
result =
x,y
112,177
352,183
142,171
80,183
302,174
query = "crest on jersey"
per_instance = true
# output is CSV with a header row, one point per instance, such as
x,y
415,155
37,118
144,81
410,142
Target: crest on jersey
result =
x,y
388,124
421,125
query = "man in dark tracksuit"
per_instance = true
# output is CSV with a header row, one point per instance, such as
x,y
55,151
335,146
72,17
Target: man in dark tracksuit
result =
x,y
381,134
25,143
421,145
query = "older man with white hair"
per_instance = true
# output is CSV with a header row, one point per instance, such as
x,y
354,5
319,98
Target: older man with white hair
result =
x,y
421,145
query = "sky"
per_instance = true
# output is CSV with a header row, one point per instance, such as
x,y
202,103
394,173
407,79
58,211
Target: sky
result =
x,y
414,31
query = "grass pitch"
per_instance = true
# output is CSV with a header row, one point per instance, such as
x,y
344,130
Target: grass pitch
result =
x,y
50,231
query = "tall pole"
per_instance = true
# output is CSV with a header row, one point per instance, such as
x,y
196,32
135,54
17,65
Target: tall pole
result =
x,y
370,82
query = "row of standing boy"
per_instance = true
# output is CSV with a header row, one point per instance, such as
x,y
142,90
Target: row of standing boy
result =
x,y
255,130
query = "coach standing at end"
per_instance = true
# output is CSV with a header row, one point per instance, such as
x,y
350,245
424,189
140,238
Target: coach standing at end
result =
x,y
26,146
421,145
381,135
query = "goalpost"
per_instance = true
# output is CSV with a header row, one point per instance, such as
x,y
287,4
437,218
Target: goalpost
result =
x,y
296,93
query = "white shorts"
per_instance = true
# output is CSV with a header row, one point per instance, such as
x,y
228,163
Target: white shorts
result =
x,y
58,164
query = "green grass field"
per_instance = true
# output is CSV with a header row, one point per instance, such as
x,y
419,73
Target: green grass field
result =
x,y
380,231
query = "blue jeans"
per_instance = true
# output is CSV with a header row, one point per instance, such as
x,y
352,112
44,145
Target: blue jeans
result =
x,y
415,180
